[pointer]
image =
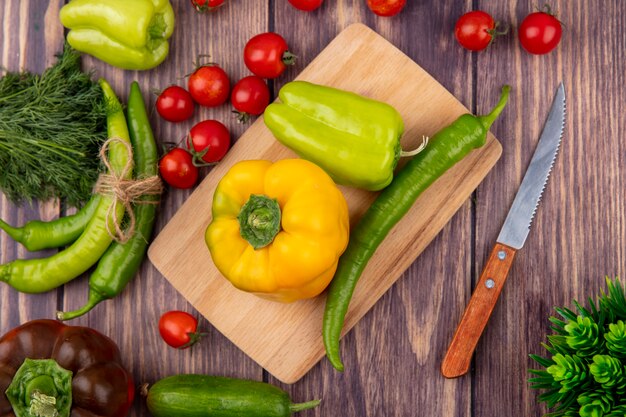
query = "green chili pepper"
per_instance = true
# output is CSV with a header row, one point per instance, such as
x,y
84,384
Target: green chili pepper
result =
x,y
120,262
127,34
37,235
45,274
446,148
356,140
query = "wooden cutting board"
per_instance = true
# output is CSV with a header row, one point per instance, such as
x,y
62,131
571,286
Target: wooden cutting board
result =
x,y
286,339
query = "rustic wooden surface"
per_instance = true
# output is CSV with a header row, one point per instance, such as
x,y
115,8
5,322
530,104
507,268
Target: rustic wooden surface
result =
x,y
577,238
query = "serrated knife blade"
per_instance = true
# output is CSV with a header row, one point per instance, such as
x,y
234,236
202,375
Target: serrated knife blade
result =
x,y
517,224
511,238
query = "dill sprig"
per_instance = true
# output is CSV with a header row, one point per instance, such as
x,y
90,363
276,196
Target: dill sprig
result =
x,y
51,128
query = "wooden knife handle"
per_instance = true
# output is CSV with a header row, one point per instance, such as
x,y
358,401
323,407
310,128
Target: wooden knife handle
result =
x,y
459,355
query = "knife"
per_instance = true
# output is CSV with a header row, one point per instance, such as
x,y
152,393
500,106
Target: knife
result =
x,y
511,238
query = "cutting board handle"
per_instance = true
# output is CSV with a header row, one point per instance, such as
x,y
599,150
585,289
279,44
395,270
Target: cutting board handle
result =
x,y
458,358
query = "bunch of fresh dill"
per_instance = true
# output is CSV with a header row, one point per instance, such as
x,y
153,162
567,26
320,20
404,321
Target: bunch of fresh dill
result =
x,y
51,128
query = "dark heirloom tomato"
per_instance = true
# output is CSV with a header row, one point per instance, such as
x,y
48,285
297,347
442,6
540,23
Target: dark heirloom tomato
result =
x,y
101,387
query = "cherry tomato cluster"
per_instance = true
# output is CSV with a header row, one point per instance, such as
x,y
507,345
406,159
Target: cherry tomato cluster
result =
x,y
539,33
266,55
208,141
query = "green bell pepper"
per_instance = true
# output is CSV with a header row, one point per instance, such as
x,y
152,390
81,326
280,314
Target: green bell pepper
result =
x,y
356,140
127,34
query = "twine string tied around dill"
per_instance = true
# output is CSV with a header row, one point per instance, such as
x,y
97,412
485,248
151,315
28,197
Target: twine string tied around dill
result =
x,y
126,192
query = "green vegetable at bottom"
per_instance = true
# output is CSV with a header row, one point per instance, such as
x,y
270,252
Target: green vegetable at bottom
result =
x,y
445,148
214,396
120,262
585,370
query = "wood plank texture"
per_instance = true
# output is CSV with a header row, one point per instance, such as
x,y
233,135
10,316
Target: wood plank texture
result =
x,y
579,232
394,353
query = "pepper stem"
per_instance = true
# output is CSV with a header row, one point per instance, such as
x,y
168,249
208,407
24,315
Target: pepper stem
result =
x,y
294,408
488,119
259,220
417,150
42,405
94,299
41,388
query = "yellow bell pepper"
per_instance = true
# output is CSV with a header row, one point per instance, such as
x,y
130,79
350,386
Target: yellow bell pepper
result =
x,y
278,229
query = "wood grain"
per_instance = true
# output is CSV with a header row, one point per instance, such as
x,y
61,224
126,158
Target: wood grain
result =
x,y
578,233
395,350
288,348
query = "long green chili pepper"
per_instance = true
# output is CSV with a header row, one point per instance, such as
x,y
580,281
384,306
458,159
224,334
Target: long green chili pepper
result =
x,y
45,274
37,235
446,148
120,262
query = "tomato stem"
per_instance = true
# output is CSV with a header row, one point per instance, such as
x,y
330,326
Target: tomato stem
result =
x,y
204,8
496,31
242,116
289,58
194,337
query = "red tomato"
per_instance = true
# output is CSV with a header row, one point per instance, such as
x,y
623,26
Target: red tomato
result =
x,y
177,168
179,329
386,7
175,104
209,140
475,30
204,6
209,85
250,96
306,5
540,32
267,55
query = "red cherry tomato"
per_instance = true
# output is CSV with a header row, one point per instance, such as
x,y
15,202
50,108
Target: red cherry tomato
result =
x,y
386,7
540,32
175,104
267,55
306,5
475,30
177,169
209,140
204,6
209,85
250,96
179,329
